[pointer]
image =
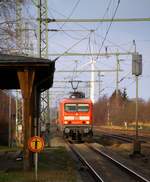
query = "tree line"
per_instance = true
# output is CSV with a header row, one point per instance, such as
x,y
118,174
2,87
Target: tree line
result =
x,y
119,109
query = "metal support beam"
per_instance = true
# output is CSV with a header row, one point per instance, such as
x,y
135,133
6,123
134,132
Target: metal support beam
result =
x,y
91,54
65,81
42,29
64,71
136,142
98,20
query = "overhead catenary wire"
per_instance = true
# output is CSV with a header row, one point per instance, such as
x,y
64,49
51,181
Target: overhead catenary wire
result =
x,y
60,27
106,39
85,28
71,48
106,11
71,13
109,27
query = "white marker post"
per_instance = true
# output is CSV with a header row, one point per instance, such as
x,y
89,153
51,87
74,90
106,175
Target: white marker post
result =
x,y
36,165
36,144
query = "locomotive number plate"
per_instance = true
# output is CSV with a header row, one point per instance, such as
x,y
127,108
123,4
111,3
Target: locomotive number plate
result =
x,y
76,118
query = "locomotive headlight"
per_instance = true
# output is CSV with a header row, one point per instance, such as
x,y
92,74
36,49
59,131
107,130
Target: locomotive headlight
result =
x,y
84,118
87,122
65,122
68,117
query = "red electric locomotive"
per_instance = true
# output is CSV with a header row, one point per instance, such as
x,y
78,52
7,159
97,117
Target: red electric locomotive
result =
x,y
75,117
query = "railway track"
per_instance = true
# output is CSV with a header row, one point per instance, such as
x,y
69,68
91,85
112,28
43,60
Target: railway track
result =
x,y
103,167
120,165
91,170
127,136
119,137
128,139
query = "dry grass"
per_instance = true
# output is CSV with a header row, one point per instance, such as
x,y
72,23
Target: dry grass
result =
x,y
55,165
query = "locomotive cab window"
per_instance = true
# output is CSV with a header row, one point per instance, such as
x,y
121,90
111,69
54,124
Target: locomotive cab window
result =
x,y
83,107
76,107
70,107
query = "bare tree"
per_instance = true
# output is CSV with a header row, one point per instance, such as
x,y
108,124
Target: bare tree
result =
x,y
100,111
9,25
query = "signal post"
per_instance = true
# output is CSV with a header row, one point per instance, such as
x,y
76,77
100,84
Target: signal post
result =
x,y
137,71
35,145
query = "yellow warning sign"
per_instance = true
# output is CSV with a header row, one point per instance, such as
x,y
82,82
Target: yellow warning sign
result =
x,y
36,144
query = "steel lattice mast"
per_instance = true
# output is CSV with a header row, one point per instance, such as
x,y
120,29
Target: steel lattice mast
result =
x,y
43,52
18,27
19,104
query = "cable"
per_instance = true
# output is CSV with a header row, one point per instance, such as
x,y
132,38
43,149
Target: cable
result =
x,y
129,84
84,28
117,45
82,65
60,27
123,77
109,28
106,11
71,12
96,44
70,48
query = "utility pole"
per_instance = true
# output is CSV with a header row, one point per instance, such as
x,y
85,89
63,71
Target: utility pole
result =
x,y
117,76
136,105
92,84
10,124
108,113
99,80
136,70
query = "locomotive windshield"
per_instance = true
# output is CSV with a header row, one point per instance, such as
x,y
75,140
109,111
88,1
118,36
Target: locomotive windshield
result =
x,y
70,107
83,107
76,107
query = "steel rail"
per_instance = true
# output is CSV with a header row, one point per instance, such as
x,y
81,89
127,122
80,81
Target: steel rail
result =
x,y
128,139
125,138
117,163
83,160
122,138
